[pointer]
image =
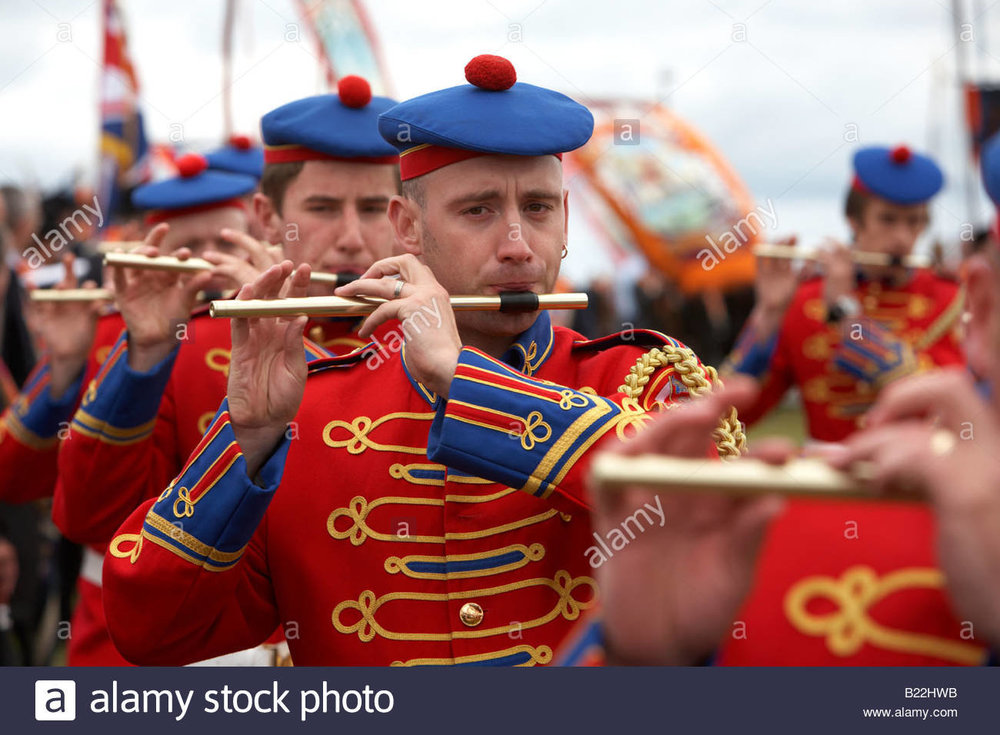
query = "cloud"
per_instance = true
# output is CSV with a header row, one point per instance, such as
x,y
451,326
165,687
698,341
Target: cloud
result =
x,y
777,104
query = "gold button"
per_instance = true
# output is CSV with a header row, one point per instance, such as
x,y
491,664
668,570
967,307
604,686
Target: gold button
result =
x,y
471,614
316,334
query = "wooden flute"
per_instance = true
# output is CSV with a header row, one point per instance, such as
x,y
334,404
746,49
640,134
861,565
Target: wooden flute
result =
x,y
805,477
861,257
192,265
339,306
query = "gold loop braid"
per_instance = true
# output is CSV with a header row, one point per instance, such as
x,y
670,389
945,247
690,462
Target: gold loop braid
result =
x,y
729,436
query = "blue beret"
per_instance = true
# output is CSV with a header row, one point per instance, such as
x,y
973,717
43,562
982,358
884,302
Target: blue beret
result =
x,y
491,114
196,187
989,159
240,156
897,174
328,127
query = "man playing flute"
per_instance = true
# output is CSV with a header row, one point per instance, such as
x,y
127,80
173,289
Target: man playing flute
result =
x,y
842,336
932,435
431,507
960,477
853,583
79,337
155,395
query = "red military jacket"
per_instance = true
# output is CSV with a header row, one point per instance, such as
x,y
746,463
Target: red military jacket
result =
x,y
30,429
840,369
30,434
133,430
406,529
128,438
853,583
850,584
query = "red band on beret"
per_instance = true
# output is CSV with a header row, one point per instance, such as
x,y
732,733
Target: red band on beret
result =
x,y
426,158
157,216
293,153
859,185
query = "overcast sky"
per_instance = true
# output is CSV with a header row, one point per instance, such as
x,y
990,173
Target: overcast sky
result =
x,y
780,104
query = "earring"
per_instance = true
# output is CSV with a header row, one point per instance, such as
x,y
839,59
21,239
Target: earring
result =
x,y
565,251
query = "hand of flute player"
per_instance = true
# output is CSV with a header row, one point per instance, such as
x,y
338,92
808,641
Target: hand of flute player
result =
x,y
839,278
240,269
669,596
67,331
932,434
154,304
775,284
267,374
424,308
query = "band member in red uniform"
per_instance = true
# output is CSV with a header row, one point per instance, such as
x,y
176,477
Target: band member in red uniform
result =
x,y
196,205
932,434
76,339
857,583
149,411
839,338
155,397
431,508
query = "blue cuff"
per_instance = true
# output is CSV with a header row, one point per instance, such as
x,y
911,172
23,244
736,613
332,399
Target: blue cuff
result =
x,y
39,413
121,404
502,426
587,647
752,357
210,512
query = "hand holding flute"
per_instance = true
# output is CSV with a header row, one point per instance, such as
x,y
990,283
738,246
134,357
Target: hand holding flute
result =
x,y
692,566
66,328
156,302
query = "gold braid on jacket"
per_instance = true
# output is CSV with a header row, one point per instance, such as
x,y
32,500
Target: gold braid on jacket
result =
x,y
699,380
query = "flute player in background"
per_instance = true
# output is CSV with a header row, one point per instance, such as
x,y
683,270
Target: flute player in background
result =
x,y
842,582
939,434
934,434
842,336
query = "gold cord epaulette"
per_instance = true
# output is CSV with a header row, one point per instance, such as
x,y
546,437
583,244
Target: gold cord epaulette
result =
x,y
729,435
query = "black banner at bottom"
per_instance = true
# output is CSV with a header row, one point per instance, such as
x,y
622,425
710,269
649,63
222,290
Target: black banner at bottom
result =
x,y
487,700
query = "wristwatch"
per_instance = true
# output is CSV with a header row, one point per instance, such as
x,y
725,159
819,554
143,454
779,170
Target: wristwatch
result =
x,y
843,307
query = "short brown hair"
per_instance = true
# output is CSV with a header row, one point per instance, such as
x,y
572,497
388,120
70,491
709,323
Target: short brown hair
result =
x,y
413,189
275,180
855,204
277,177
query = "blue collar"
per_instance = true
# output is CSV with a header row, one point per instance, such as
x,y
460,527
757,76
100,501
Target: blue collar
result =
x,y
531,349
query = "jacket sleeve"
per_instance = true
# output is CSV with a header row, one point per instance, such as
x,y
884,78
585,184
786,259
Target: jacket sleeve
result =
x,y
185,578
30,430
770,362
121,449
539,437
